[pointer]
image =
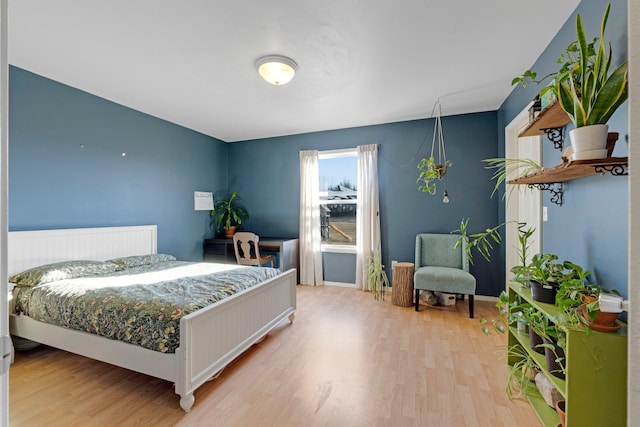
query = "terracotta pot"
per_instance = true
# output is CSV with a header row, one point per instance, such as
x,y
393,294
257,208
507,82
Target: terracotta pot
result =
x,y
602,319
560,409
229,232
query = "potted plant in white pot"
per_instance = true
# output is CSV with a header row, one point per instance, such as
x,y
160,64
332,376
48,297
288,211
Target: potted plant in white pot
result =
x,y
586,90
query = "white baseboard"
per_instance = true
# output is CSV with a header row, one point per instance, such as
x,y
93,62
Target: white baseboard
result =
x,y
353,286
485,298
341,284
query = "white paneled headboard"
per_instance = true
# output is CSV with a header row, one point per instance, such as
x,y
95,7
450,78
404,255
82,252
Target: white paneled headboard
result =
x,y
29,249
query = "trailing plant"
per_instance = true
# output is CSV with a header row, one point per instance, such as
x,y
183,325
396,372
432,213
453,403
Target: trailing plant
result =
x,y
585,88
571,292
430,172
575,292
378,280
509,313
535,319
228,212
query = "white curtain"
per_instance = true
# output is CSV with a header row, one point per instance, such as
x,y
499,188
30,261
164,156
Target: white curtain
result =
x,y
367,217
310,241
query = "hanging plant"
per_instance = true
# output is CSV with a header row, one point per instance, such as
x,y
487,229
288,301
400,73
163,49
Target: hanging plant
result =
x,y
430,169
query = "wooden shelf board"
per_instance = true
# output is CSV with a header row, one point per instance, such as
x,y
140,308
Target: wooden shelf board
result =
x,y
569,170
546,414
551,117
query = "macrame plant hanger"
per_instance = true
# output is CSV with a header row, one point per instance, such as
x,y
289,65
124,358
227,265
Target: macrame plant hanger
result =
x,y
442,155
437,134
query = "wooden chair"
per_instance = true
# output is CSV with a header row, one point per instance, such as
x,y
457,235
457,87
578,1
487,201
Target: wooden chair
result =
x,y
247,250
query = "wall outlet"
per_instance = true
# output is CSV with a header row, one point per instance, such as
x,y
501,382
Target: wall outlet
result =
x,y
545,216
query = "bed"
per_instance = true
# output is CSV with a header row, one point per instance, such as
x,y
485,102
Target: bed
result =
x,y
210,337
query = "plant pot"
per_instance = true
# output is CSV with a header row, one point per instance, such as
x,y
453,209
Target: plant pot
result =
x,y
560,409
534,341
553,367
523,326
442,170
229,232
612,137
587,138
603,322
543,293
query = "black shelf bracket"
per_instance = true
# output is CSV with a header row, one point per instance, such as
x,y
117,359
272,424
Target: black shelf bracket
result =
x,y
615,170
554,188
556,136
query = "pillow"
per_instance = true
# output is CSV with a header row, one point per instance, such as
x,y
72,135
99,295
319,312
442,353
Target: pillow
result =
x,y
62,270
138,260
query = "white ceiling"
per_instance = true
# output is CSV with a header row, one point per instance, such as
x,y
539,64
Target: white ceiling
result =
x,y
361,62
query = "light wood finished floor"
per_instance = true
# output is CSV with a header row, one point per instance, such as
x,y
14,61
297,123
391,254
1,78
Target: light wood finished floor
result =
x,y
347,360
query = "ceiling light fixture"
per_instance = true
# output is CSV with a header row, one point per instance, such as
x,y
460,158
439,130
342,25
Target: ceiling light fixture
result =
x,y
276,69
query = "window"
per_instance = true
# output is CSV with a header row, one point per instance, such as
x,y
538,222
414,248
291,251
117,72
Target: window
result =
x,y
338,171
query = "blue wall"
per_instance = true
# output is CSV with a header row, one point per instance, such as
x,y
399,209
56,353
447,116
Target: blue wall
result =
x,y
54,183
266,173
591,228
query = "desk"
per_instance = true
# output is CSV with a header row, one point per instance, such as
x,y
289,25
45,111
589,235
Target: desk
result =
x,y
285,250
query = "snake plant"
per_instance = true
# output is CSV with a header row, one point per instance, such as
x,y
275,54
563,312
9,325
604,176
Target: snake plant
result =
x,y
584,86
590,94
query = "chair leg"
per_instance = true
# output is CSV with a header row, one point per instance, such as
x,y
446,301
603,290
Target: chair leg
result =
x,y
417,299
471,306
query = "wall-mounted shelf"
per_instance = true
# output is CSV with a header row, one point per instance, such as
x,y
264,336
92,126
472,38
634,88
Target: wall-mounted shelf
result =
x,y
569,170
551,179
551,117
550,122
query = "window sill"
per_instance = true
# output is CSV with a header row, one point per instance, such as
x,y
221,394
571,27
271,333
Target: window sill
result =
x,y
339,249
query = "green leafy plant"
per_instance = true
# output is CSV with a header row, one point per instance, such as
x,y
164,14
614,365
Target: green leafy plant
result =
x,y
546,270
586,89
506,167
483,242
430,172
523,367
576,291
509,313
522,372
521,271
378,280
228,212
571,292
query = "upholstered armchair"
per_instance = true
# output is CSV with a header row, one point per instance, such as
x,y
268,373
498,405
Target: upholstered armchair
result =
x,y
438,267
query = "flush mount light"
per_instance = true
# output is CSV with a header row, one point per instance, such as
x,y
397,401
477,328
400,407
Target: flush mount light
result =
x,y
276,69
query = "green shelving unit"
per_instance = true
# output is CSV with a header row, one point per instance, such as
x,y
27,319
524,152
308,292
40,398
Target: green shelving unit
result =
x,y
595,384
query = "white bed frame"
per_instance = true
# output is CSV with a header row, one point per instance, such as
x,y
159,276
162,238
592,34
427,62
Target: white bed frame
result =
x,y
210,338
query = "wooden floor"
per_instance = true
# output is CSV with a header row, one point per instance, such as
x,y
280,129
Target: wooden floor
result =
x,y
347,360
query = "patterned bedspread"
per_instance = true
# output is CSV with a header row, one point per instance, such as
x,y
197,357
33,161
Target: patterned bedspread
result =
x,y
139,305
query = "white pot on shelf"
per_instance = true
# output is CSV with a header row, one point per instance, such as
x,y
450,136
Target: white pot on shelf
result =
x,y
591,138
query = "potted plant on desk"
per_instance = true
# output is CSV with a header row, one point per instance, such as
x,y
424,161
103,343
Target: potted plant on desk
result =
x,y
228,214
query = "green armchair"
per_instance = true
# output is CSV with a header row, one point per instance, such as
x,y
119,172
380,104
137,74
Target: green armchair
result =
x,y
438,267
